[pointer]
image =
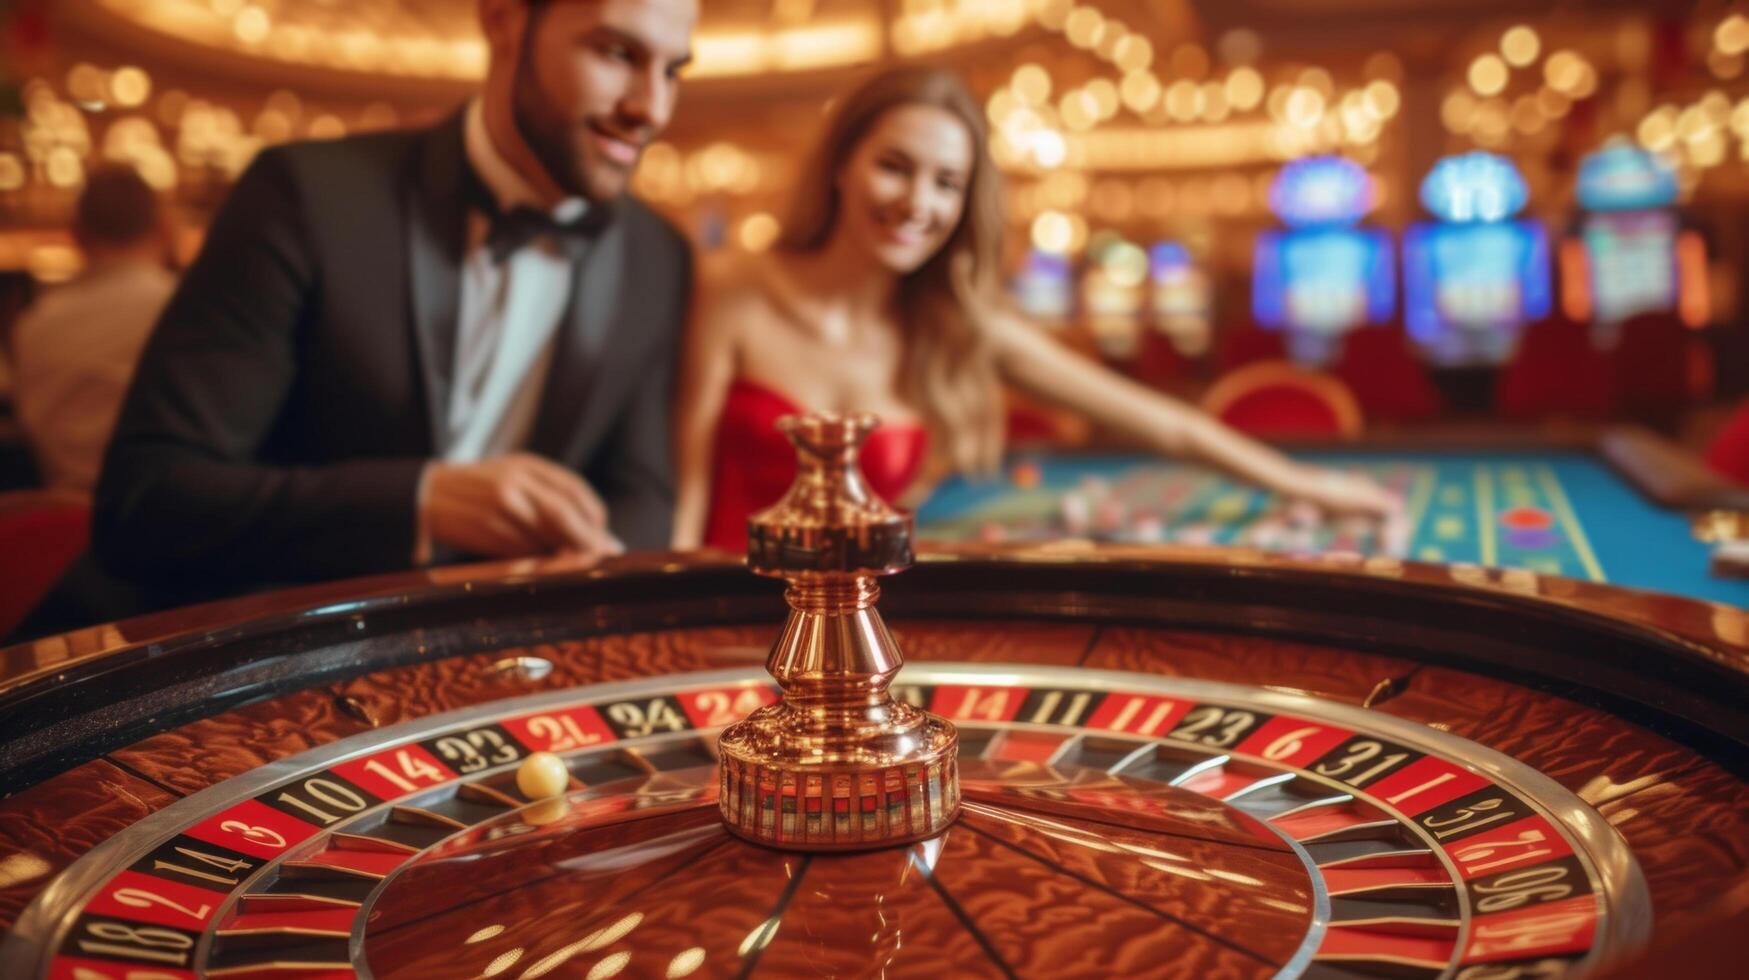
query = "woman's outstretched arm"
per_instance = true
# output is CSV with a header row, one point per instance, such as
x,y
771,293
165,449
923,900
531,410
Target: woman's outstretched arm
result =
x,y
707,369
1043,367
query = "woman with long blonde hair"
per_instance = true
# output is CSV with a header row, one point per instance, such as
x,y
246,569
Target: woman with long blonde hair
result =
x,y
882,295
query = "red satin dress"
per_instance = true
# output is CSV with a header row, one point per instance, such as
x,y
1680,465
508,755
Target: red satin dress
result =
x,y
754,464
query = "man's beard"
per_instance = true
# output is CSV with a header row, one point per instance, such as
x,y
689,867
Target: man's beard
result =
x,y
546,133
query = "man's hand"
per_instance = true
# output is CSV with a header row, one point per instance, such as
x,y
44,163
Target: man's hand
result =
x,y
514,506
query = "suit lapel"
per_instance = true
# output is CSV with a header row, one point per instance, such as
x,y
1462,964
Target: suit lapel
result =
x,y
576,399
437,216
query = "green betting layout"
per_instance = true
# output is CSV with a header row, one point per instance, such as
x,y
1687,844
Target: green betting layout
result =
x,y
1507,514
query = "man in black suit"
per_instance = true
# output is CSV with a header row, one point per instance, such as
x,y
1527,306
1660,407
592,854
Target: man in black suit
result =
x,y
413,346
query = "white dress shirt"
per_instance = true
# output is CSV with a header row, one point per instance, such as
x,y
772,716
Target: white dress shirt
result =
x,y
74,352
507,320
508,315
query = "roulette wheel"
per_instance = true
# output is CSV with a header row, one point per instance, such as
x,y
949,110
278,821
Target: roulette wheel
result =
x,y
1099,760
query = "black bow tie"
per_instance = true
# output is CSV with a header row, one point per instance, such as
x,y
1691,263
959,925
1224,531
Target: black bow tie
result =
x,y
515,228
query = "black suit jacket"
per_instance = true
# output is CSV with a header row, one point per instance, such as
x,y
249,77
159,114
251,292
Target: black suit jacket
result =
x,y
295,385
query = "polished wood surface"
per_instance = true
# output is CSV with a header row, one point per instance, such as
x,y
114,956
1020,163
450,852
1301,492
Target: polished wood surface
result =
x,y
1029,886
1605,690
48,826
1686,818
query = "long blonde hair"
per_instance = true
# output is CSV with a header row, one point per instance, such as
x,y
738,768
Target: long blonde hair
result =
x,y
948,371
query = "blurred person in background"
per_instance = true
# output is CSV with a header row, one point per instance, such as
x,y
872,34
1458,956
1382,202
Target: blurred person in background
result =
x,y
882,296
75,348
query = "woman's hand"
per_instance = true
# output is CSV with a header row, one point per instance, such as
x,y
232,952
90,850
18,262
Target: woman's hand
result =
x,y
1339,493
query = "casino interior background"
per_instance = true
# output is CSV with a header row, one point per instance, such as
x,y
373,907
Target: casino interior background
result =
x,y
1453,209
1141,141
1504,740
1144,144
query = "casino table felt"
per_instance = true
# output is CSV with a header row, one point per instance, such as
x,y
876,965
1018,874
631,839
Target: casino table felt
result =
x,y
1561,513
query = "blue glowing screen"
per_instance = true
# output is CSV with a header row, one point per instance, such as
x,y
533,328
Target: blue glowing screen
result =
x,y
1474,187
1327,190
1166,256
1632,263
1468,289
1624,177
1323,280
1044,286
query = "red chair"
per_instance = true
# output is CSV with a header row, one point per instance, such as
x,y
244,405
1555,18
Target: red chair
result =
x,y
1729,452
1556,372
1275,398
41,532
1249,344
1029,423
1158,362
1386,378
1658,367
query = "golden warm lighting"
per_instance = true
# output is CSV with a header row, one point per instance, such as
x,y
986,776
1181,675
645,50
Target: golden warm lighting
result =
x,y
1183,100
1112,201
1133,53
272,126
1520,45
1526,116
54,263
1724,66
326,127
282,33
1305,107
1383,66
1195,147
1105,41
1155,197
1319,81
1457,110
1140,91
1063,190
1053,231
1490,124
1213,100
1716,105
758,231
1054,14
482,935
171,106
1083,27
1048,148
11,172
1103,92
1244,89
1488,75
1382,99
87,84
685,963
1706,149
1565,71
718,53
129,87
252,25
1031,83
1732,34
1078,110
63,168
1553,104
